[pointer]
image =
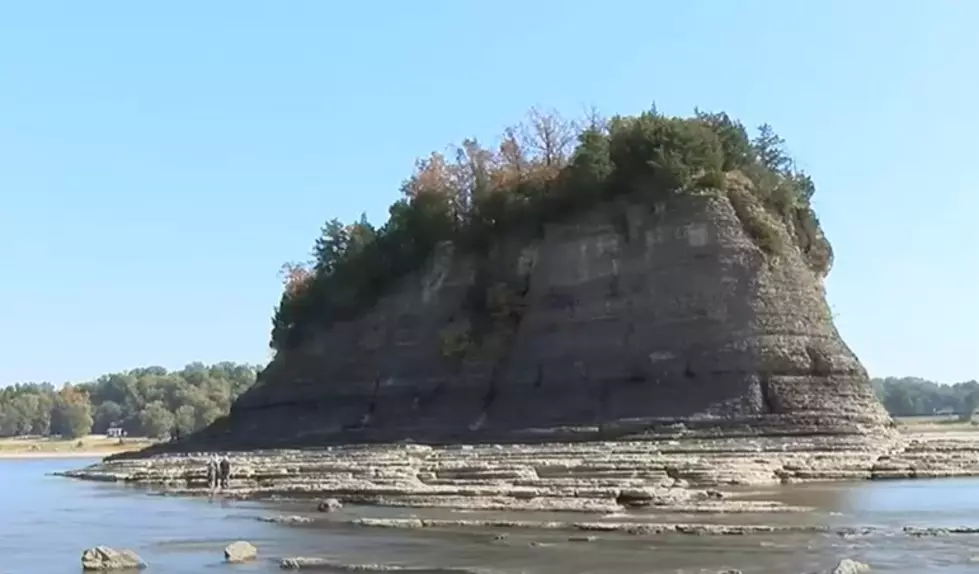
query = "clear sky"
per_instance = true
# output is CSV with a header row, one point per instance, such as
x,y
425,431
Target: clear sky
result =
x,y
160,161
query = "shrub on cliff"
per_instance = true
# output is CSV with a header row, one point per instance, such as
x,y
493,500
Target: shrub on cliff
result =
x,y
540,171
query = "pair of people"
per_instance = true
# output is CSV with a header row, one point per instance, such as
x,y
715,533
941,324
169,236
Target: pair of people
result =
x,y
218,472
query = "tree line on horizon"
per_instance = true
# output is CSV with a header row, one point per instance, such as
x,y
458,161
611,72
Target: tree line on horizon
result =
x,y
145,402
153,402
914,396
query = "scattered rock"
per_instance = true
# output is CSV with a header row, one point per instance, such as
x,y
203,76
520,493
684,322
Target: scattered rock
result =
x,y
240,551
294,519
329,505
919,532
300,562
327,565
310,563
849,532
105,558
847,566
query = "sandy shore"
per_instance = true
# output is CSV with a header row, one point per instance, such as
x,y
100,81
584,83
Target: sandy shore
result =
x,y
92,446
60,454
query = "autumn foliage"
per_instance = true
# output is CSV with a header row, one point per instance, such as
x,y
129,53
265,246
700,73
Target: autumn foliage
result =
x,y
538,171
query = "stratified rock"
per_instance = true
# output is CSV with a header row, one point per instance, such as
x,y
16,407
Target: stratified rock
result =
x,y
633,319
847,566
240,551
329,505
104,558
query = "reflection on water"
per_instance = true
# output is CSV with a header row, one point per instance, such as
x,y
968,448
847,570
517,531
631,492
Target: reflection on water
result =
x,y
45,523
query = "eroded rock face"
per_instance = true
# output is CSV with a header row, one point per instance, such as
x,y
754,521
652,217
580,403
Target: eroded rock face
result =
x,y
623,321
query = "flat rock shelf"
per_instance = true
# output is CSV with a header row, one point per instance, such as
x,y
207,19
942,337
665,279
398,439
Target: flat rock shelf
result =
x,y
678,475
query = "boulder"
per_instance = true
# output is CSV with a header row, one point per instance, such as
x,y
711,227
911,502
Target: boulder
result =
x,y
103,558
240,551
329,505
847,566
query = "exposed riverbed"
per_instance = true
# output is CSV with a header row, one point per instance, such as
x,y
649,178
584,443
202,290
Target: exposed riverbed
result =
x,y
47,521
755,505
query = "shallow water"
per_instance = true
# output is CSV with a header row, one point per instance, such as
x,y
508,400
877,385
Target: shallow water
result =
x,y
46,522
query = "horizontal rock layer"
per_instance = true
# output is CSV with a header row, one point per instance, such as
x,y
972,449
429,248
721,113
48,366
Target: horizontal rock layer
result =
x,y
618,323
681,475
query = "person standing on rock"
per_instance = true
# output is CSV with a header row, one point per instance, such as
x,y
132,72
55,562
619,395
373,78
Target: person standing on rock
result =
x,y
212,473
225,472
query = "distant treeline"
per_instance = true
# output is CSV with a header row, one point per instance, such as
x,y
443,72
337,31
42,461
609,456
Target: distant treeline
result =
x,y
149,401
908,396
153,402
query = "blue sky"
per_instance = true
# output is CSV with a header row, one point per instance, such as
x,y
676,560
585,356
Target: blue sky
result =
x,y
160,161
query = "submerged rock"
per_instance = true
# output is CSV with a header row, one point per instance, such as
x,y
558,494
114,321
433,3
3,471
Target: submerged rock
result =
x,y
329,505
313,563
286,519
240,551
103,558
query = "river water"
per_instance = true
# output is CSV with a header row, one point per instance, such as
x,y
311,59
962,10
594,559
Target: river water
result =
x,y
46,522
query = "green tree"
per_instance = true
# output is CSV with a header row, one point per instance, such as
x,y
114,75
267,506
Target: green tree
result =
x,y
770,149
330,247
906,396
72,413
156,420
969,406
121,398
185,419
107,414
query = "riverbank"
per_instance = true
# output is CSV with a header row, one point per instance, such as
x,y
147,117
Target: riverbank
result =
x,y
87,447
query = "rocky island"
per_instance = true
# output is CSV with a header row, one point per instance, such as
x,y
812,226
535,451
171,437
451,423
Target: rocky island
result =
x,y
623,316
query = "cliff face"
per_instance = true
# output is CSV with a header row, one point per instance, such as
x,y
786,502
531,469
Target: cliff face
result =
x,y
622,321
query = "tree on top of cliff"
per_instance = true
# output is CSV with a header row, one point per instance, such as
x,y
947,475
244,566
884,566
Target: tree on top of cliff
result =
x,y
541,170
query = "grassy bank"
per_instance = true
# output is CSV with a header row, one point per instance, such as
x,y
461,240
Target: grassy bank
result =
x,y
936,423
92,445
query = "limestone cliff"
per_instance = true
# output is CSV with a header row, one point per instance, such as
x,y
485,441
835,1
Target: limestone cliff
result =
x,y
629,319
